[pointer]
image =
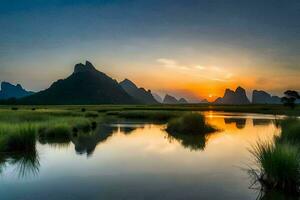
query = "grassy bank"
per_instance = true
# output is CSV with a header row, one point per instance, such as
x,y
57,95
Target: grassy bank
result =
x,y
279,162
251,108
189,123
19,129
190,129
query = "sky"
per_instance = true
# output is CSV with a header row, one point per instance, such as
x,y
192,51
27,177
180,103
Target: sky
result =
x,y
190,48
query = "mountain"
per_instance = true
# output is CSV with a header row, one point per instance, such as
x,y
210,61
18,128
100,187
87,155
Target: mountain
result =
x,y
170,100
157,98
86,85
204,101
182,101
140,94
13,91
233,97
262,97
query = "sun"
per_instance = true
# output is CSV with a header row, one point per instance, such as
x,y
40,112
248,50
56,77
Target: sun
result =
x,y
210,95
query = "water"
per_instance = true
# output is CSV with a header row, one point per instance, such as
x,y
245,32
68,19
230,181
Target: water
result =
x,y
134,160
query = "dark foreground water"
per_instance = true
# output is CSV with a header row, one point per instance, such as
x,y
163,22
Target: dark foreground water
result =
x,y
134,160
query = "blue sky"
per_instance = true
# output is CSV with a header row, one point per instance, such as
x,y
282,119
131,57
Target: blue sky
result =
x,y
255,44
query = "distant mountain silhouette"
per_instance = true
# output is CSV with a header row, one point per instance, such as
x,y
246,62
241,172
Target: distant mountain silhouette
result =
x,y
233,97
204,101
182,101
262,97
140,94
172,100
157,97
9,90
85,86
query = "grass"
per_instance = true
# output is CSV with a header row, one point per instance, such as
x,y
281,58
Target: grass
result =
x,y
189,123
251,108
191,130
290,131
20,129
279,166
92,114
279,161
20,137
58,133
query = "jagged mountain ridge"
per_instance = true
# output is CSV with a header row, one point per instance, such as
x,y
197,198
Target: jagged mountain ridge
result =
x,y
9,90
139,94
233,97
262,97
86,85
168,99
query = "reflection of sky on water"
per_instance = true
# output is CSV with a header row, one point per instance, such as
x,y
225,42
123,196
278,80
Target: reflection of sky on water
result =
x,y
139,161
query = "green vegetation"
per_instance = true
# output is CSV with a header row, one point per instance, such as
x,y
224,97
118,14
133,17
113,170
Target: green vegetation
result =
x,y
279,162
279,166
189,123
92,114
18,137
290,131
58,133
251,108
64,120
19,130
191,130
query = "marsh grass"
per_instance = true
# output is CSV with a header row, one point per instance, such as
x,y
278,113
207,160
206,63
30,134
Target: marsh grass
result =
x,y
290,131
57,133
279,166
91,114
190,123
17,137
191,130
19,130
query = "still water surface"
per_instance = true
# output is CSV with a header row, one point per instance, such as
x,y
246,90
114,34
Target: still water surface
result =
x,y
135,160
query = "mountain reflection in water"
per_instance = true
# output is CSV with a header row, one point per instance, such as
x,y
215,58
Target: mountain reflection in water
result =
x,y
131,157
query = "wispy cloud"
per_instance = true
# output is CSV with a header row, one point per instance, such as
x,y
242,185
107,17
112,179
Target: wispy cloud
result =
x,y
213,73
167,62
200,67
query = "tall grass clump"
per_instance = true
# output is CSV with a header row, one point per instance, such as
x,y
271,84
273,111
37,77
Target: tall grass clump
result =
x,y
189,123
91,114
15,138
279,166
61,130
290,131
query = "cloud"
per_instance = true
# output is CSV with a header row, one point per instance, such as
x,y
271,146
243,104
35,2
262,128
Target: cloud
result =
x,y
170,63
214,68
167,62
200,67
228,75
212,73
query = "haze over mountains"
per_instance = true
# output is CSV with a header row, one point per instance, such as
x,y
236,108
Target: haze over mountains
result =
x,y
87,85
172,100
